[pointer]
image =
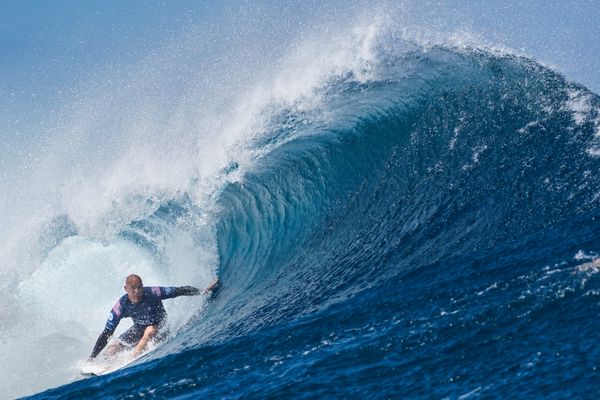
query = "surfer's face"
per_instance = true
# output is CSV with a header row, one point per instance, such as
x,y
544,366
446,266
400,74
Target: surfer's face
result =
x,y
134,289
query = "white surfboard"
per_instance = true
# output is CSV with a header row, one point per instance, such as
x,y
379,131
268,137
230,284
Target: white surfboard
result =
x,y
99,368
103,366
93,369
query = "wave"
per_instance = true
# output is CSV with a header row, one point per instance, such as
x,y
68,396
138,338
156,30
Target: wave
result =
x,y
451,152
403,168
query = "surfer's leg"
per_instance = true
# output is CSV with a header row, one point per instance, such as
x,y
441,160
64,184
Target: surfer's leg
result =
x,y
114,348
162,334
126,341
149,333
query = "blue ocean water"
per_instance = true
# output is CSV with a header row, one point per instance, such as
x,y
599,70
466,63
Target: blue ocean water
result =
x,y
428,231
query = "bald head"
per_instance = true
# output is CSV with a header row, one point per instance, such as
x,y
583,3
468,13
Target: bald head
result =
x,y
133,279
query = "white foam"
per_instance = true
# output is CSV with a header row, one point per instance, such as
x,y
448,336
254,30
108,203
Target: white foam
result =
x,y
579,104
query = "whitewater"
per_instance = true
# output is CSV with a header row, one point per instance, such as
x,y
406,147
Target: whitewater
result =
x,y
393,212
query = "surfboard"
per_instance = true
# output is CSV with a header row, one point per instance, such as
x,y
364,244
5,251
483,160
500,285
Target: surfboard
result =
x,y
91,369
98,368
103,366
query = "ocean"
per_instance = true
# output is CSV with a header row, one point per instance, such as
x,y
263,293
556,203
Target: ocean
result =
x,y
389,219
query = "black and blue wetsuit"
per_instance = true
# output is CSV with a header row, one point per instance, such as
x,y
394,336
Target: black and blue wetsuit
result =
x,y
149,311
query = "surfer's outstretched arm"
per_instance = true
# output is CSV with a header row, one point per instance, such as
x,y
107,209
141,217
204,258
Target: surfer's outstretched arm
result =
x,y
101,342
192,291
187,291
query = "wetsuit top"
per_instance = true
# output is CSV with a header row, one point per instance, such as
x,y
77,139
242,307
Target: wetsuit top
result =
x,y
149,311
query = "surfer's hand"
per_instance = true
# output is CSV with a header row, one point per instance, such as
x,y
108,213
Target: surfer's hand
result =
x,y
213,285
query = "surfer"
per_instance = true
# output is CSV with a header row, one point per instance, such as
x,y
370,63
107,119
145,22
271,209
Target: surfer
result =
x,y
144,306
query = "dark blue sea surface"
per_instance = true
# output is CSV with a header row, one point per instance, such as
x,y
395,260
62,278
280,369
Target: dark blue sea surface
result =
x,y
421,234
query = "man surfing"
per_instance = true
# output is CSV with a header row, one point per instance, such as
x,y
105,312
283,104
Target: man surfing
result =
x,y
144,306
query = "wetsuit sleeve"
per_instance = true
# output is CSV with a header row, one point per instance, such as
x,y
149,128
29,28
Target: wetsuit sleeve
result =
x,y
187,291
111,324
171,292
114,317
101,342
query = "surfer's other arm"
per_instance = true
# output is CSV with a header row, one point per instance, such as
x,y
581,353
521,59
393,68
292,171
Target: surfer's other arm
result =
x,y
101,342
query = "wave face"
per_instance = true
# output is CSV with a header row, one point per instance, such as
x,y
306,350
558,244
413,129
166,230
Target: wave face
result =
x,y
416,233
